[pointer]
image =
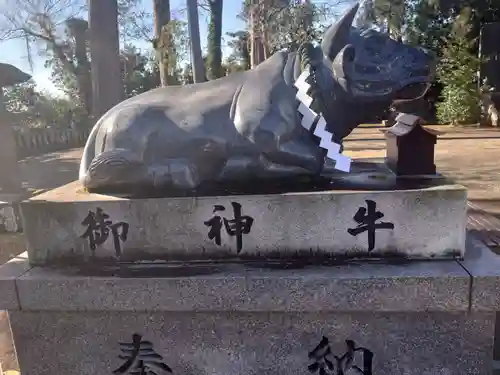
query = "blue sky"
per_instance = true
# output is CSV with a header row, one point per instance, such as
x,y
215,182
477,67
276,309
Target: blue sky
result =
x,y
14,51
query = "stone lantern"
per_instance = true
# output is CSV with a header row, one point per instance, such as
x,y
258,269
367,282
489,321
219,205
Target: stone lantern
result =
x,y
10,179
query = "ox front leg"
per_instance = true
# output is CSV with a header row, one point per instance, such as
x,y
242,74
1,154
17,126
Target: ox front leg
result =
x,y
248,168
301,155
124,171
179,173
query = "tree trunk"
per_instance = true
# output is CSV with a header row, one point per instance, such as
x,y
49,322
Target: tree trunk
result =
x,y
194,35
107,80
245,54
253,33
257,31
161,9
215,40
79,29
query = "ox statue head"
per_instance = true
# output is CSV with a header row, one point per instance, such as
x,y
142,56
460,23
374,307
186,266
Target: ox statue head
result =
x,y
366,71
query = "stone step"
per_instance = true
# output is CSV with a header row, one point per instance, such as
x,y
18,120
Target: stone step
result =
x,y
236,319
483,225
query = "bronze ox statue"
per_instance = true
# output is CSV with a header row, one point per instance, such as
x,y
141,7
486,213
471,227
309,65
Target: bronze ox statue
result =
x,y
286,117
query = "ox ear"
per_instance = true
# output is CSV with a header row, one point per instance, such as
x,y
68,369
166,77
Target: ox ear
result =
x,y
337,35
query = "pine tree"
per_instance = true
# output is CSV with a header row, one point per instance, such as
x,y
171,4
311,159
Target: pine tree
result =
x,y
457,71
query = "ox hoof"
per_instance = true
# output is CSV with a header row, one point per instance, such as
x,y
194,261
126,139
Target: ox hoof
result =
x,y
175,173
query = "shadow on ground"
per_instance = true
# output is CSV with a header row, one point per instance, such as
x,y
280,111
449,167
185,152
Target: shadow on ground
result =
x,y
50,170
490,206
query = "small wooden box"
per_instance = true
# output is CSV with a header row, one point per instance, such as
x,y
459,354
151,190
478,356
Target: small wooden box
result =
x,y
410,147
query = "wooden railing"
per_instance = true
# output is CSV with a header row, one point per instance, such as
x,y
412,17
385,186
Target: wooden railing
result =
x,y
34,142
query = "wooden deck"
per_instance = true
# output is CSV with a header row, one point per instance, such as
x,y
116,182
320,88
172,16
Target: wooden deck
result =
x,y
483,226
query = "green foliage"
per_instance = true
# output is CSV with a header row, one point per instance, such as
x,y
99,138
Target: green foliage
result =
x,y
457,72
232,65
389,14
69,59
240,54
141,80
140,71
290,26
187,75
63,79
173,48
32,109
428,22
285,25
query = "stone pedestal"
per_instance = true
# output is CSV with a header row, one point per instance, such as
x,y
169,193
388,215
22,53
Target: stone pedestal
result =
x,y
70,226
418,318
244,284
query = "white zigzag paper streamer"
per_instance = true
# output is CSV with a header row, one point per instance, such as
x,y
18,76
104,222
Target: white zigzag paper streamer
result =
x,y
342,162
308,116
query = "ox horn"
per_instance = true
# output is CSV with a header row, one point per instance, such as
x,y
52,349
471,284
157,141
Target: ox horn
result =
x,y
337,35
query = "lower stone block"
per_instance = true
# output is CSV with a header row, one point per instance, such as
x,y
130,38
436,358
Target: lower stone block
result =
x,y
416,318
236,343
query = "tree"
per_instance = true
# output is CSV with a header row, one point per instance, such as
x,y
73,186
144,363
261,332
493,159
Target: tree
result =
x,y
231,65
68,57
162,42
140,71
55,25
274,25
389,14
427,26
36,22
260,16
194,36
457,71
105,55
215,40
240,45
178,49
187,74
134,21
294,25
430,21
29,108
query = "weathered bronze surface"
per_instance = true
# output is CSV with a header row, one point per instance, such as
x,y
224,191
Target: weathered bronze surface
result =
x,y
247,125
